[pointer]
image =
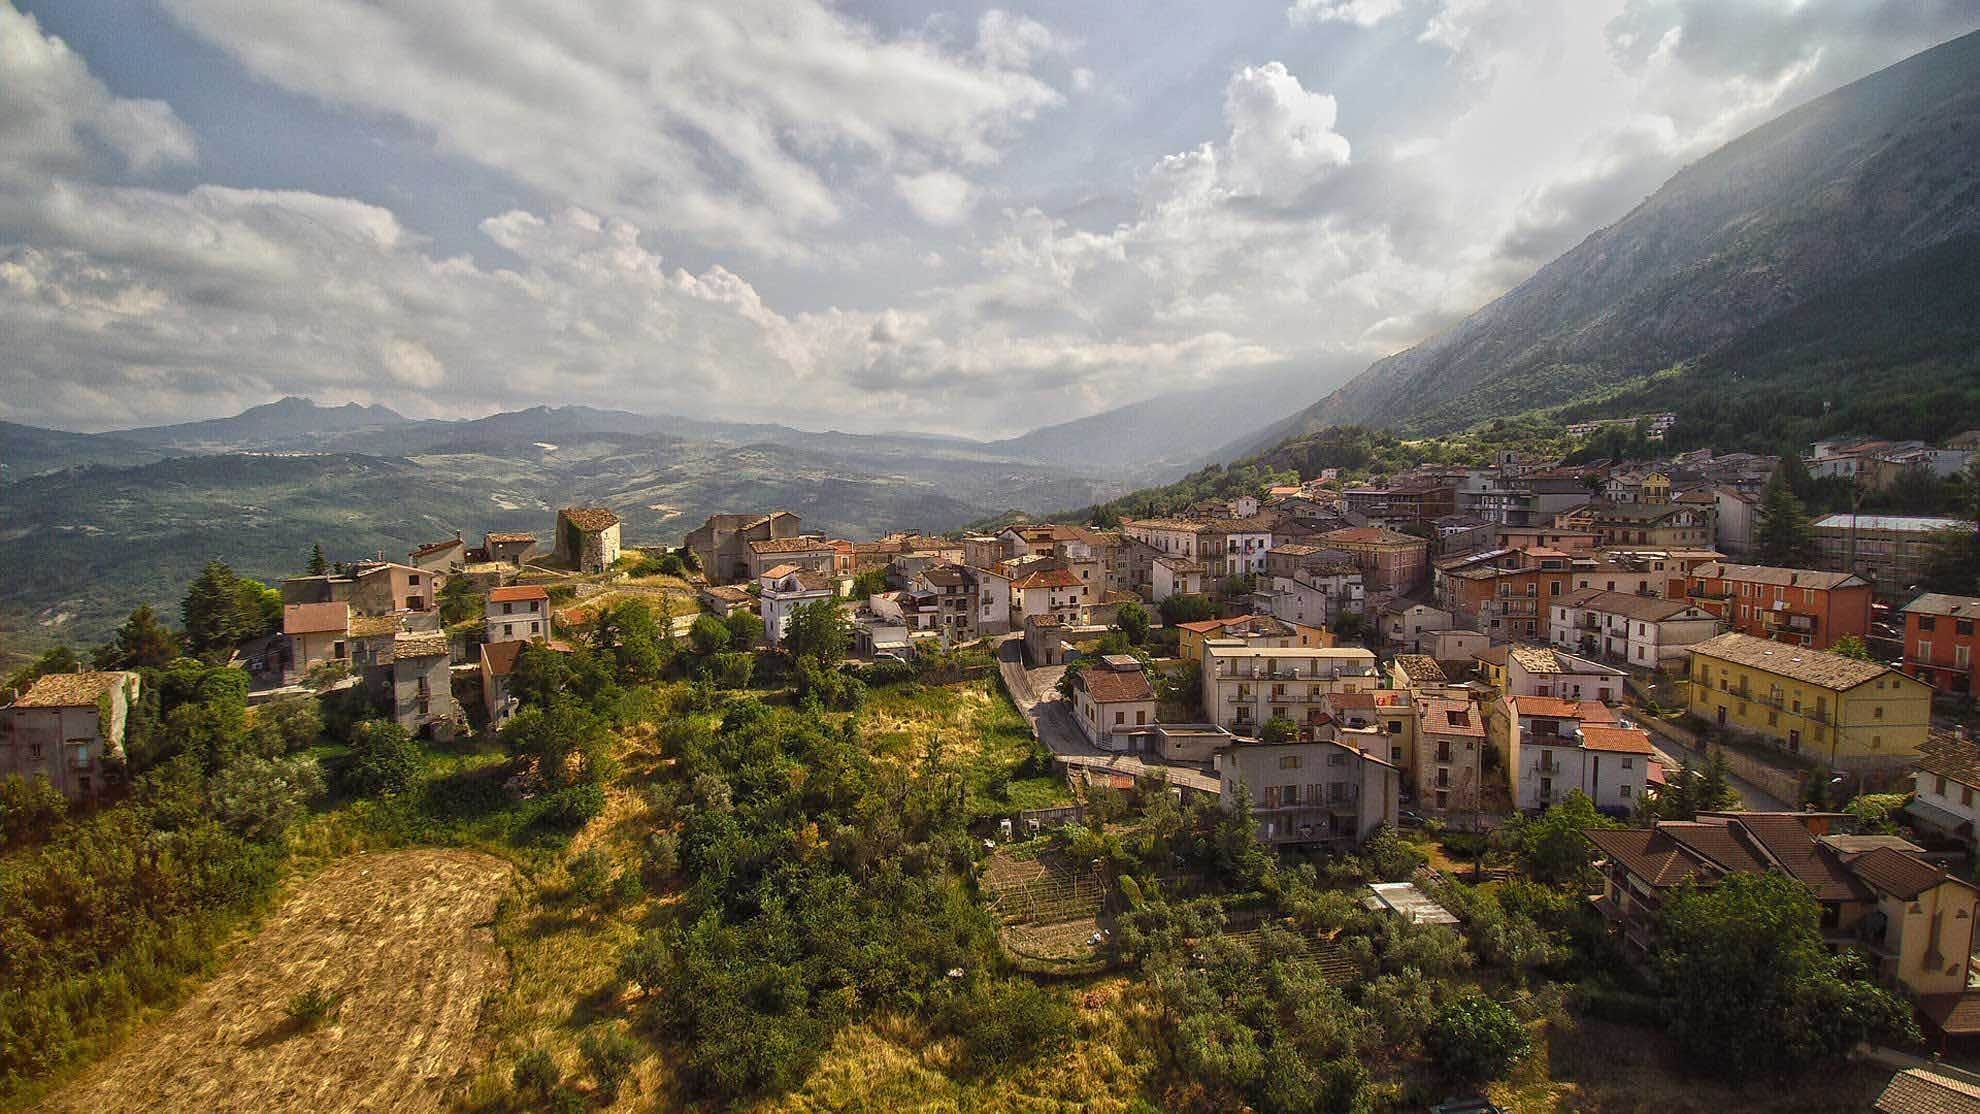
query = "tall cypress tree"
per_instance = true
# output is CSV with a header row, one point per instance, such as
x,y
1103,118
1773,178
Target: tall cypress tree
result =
x,y
1783,537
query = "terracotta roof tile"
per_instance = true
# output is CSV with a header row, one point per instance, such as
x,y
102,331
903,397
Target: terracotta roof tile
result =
x,y
589,519
1770,574
516,593
1113,686
315,618
1893,872
510,538
1618,740
1923,1091
1552,707
70,690
1050,578
1816,667
425,644
790,545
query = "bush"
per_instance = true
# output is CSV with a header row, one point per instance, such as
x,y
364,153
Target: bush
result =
x,y
661,857
1009,1021
590,876
261,797
536,1076
647,961
573,806
313,1007
610,1054
29,809
1475,1039
384,759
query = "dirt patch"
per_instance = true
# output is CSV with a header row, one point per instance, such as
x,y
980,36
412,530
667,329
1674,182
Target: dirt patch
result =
x,y
403,936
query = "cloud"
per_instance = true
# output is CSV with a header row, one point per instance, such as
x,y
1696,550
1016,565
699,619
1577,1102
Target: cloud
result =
x,y
1361,13
713,217
732,122
938,197
56,117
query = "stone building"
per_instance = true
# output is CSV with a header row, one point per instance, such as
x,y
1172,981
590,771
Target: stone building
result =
x,y
587,538
721,543
68,728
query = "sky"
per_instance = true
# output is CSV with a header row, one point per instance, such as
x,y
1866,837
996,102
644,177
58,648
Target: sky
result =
x,y
875,216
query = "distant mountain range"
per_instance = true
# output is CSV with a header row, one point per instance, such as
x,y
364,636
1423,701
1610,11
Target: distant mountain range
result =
x,y
1842,190
93,524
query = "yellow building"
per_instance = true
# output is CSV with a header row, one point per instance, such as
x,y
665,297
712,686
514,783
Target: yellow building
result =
x,y
1656,488
1836,709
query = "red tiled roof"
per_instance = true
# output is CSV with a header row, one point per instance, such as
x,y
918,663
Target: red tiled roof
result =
x,y
1953,1014
1551,706
1050,578
1113,686
518,592
1594,711
315,618
501,656
430,548
1787,841
1618,740
1649,854
1452,717
510,538
1891,871
1924,1091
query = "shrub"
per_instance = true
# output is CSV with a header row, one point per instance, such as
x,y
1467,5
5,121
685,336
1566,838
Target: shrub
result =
x,y
384,759
647,961
1474,1039
590,876
1005,1022
573,806
661,857
313,1007
536,1076
261,797
29,809
610,1054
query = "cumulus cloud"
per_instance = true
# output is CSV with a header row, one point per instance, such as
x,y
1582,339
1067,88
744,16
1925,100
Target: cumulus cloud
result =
x,y
727,121
1361,13
1274,238
56,117
938,197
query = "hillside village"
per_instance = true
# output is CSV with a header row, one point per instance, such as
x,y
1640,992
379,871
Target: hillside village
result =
x,y
1417,674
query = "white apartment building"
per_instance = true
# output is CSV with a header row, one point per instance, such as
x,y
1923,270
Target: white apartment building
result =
x,y
1243,685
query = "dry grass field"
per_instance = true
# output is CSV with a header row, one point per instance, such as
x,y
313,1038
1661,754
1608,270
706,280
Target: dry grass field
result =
x,y
402,936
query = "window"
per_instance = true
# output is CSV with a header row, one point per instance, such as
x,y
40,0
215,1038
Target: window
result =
x,y
1622,790
1140,718
1965,794
1395,727
1120,718
508,608
1289,762
1927,622
413,580
1877,712
34,750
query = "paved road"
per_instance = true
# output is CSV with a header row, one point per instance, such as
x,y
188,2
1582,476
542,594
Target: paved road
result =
x,y
1037,695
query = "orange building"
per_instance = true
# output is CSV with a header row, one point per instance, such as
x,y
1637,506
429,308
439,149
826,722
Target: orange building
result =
x,y
1939,642
1806,607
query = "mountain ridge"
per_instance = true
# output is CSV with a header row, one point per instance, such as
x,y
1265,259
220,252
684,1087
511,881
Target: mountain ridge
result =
x,y
1851,181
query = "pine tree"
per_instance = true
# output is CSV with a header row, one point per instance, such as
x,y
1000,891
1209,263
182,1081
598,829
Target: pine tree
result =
x,y
1783,536
317,565
142,642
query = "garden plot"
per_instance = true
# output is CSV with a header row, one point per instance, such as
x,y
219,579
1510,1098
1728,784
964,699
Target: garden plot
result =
x,y
401,939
